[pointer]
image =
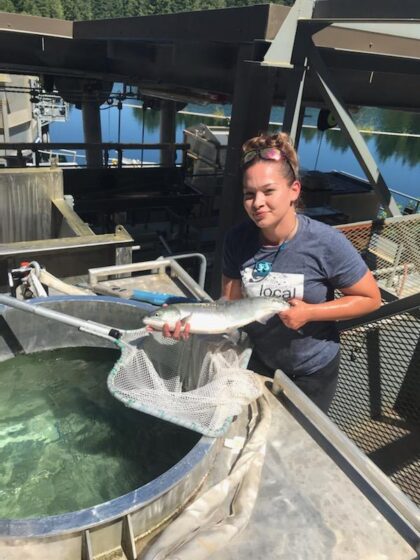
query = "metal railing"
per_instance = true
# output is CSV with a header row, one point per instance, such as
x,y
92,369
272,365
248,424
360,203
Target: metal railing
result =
x,y
377,403
413,206
391,248
38,148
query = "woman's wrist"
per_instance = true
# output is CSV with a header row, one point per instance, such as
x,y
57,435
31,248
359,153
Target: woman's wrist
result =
x,y
311,311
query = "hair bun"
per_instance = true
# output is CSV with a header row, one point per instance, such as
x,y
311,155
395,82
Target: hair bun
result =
x,y
281,140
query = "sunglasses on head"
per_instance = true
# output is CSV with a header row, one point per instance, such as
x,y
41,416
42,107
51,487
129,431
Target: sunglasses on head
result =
x,y
269,154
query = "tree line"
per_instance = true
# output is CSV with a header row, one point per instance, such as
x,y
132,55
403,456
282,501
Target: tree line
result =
x,y
99,9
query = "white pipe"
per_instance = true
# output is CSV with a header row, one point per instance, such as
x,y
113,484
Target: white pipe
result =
x,y
52,282
96,329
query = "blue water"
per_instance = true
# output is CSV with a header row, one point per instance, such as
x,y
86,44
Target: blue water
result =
x,y
398,158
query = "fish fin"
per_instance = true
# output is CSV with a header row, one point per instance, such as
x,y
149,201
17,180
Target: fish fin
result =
x,y
232,335
184,319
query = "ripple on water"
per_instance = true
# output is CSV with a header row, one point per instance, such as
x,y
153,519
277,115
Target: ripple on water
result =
x,y
66,443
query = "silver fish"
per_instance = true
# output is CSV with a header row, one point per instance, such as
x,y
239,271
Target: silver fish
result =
x,y
217,317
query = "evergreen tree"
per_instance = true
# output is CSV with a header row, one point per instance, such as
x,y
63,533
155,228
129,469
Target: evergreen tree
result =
x,y
44,8
7,6
103,9
137,8
210,4
100,9
18,5
164,7
77,9
55,9
30,7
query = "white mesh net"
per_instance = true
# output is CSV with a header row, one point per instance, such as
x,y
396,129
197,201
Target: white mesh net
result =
x,y
200,383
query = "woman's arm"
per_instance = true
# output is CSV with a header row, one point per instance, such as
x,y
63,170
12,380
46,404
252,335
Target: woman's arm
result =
x,y
231,288
361,298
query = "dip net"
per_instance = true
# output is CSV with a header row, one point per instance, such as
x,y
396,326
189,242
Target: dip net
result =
x,y
201,383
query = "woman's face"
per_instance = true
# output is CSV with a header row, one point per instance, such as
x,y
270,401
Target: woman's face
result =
x,y
268,198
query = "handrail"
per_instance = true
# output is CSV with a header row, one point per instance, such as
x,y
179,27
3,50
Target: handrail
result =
x,y
40,147
203,264
410,198
160,264
37,146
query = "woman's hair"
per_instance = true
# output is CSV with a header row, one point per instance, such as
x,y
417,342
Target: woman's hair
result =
x,y
289,163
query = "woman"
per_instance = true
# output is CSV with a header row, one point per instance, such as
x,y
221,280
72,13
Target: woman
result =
x,y
278,252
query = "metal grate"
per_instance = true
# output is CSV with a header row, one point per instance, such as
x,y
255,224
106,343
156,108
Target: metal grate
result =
x,y
377,403
391,249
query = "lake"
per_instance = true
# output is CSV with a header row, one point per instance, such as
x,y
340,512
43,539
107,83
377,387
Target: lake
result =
x,y
397,155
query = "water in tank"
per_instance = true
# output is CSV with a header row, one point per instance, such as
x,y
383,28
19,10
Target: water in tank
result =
x,y
66,443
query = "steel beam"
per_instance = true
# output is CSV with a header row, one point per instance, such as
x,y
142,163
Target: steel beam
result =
x,y
281,49
251,109
360,149
406,30
168,132
35,25
127,538
394,9
92,132
293,108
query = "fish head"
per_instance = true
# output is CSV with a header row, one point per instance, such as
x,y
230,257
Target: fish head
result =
x,y
164,315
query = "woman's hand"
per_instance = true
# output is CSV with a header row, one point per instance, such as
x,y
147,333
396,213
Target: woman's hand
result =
x,y
298,314
180,332
359,299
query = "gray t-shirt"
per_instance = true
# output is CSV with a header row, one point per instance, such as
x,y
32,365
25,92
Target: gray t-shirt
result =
x,y
316,261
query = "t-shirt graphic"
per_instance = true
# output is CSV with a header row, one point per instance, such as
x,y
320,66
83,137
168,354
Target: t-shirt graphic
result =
x,y
275,284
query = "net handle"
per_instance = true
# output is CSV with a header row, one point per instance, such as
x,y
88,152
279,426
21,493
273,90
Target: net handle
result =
x,y
96,329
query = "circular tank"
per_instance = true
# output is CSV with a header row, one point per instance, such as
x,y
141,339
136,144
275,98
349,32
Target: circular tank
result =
x,y
120,523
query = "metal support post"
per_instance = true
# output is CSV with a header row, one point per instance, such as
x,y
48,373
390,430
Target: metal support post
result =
x,y
251,109
168,132
127,538
92,132
287,51
349,129
4,119
293,108
86,552
281,50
